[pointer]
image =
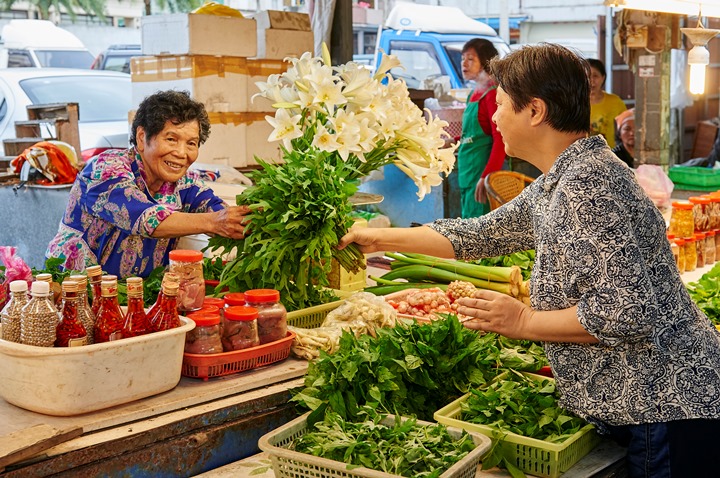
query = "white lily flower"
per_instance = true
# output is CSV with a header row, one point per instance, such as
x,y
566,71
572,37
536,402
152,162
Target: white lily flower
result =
x,y
324,140
286,127
387,63
330,94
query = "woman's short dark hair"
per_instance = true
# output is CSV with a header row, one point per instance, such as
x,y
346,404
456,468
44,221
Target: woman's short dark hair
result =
x,y
553,74
170,105
484,49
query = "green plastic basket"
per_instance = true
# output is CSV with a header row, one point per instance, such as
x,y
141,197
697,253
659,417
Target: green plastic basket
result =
x,y
311,317
533,456
690,176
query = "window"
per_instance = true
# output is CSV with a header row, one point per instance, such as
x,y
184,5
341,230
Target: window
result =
x,y
64,58
19,59
419,59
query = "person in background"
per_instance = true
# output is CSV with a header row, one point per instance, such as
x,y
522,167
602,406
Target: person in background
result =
x,y
481,149
604,106
127,208
625,137
629,350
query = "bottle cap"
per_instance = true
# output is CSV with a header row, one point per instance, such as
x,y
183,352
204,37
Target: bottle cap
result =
x,y
262,295
234,298
44,277
134,286
69,286
185,255
80,279
238,312
108,288
40,287
94,271
18,286
107,277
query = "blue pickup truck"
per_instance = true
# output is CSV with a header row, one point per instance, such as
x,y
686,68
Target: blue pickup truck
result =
x,y
428,41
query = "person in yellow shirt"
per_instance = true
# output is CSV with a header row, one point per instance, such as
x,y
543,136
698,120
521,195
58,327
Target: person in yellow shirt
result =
x,y
604,106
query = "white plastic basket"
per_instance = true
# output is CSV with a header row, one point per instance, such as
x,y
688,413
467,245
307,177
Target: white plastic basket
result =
x,y
69,381
292,464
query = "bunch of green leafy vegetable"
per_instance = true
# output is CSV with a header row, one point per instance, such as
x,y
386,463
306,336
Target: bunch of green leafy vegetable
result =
x,y
300,209
522,405
410,370
706,293
523,259
403,448
53,266
212,268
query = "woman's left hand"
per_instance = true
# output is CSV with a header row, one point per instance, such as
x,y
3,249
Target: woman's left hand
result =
x,y
495,312
230,222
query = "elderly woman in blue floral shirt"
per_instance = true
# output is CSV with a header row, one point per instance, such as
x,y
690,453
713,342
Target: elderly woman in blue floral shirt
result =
x,y
629,350
128,208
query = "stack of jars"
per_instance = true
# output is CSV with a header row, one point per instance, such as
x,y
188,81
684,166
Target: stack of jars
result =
x,y
694,232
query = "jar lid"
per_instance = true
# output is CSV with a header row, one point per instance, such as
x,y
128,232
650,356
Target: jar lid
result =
x,y
44,277
710,233
671,236
18,286
682,205
208,309
262,295
185,255
679,242
699,200
699,236
108,277
134,285
689,239
216,301
204,319
238,312
234,298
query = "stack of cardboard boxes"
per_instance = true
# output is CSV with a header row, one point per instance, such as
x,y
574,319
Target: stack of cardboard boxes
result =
x,y
218,60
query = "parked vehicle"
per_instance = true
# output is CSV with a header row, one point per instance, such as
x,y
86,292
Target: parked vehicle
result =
x,y
428,41
116,58
41,44
103,98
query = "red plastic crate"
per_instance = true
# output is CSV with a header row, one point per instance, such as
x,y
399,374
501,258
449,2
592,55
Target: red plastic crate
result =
x,y
205,366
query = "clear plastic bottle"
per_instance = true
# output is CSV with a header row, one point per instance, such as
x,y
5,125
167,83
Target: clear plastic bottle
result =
x,y
136,320
39,317
680,243
166,315
241,328
70,332
12,312
110,319
55,289
85,313
188,265
272,315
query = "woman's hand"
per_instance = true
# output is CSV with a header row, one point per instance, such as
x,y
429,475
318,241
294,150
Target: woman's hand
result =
x,y
496,312
229,222
480,195
366,239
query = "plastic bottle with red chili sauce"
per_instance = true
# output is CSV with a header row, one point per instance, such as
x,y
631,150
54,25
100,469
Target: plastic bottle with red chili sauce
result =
x,y
94,274
166,316
241,328
136,320
205,337
85,313
272,315
188,265
70,332
110,319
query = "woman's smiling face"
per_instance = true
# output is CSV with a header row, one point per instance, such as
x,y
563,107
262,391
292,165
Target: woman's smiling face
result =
x,y
168,155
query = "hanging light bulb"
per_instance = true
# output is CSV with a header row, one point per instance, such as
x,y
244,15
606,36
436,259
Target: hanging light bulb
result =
x,y
698,56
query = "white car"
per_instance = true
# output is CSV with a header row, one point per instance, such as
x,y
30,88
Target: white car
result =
x,y
103,97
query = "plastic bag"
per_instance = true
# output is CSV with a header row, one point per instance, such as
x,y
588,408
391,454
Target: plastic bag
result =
x,y
656,184
15,269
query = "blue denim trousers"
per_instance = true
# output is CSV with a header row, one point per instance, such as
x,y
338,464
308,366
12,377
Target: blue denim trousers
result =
x,y
676,449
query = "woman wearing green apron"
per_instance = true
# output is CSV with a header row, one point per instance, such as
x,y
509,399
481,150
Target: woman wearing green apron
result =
x,y
481,149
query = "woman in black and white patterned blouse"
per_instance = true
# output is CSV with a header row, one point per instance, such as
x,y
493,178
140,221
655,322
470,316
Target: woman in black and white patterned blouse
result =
x,y
629,349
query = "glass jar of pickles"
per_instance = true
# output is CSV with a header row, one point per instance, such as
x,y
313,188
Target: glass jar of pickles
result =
x,y
714,208
690,253
710,247
188,265
241,328
700,249
682,223
681,256
205,337
272,315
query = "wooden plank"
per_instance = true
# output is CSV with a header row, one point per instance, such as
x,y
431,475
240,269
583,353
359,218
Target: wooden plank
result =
x,y
23,444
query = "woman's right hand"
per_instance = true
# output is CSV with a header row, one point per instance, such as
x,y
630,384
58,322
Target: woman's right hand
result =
x,y
230,222
366,239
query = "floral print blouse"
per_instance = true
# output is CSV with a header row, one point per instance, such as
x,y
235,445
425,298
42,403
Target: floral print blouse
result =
x,y
111,215
601,245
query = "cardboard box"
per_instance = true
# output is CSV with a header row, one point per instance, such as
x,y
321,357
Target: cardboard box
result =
x,y
359,15
282,20
219,82
280,44
197,34
258,69
236,138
